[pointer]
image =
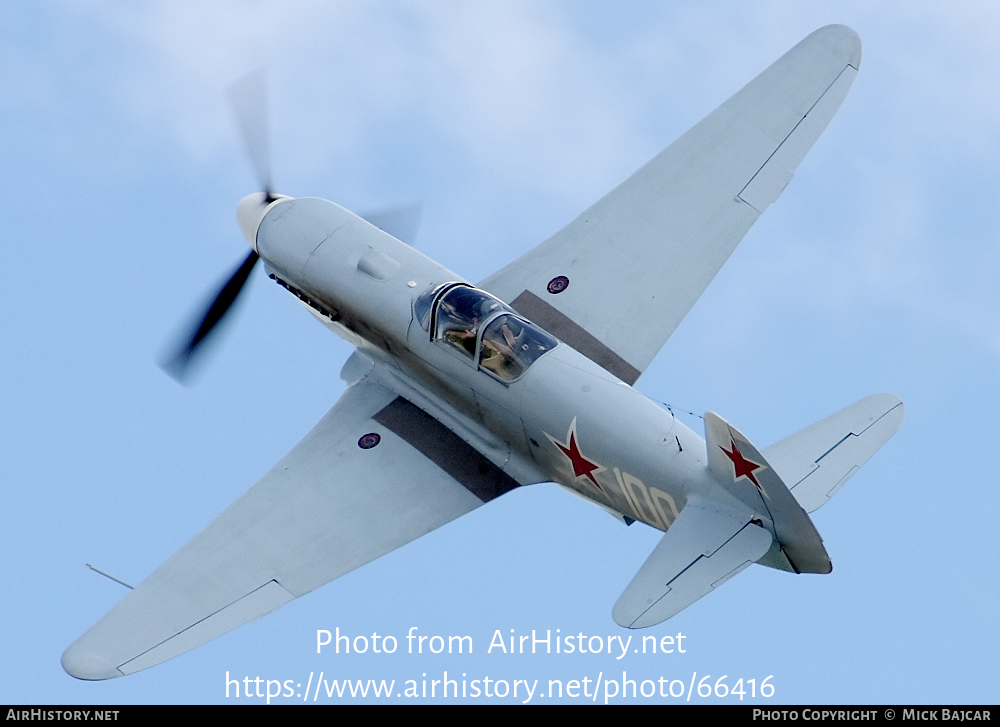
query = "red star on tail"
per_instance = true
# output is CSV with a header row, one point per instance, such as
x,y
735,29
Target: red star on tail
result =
x,y
742,467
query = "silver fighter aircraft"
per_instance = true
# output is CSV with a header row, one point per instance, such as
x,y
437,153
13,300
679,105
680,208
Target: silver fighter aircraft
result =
x,y
458,393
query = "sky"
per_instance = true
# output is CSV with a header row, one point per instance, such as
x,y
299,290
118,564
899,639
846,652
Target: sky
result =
x,y
875,271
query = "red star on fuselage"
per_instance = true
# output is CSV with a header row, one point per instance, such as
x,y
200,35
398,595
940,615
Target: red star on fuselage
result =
x,y
742,467
582,467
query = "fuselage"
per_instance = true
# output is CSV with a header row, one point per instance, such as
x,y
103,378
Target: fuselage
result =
x,y
553,416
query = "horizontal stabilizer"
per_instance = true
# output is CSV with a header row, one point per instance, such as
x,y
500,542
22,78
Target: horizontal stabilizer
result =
x,y
736,464
818,461
705,547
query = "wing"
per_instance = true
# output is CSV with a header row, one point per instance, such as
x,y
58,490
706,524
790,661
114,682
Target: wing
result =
x,y
704,548
637,260
328,507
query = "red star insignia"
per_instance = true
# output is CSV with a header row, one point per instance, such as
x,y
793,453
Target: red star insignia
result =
x,y
742,467
582,467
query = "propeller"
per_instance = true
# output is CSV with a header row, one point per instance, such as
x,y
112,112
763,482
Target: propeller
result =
x,y
401,222
180,363
248,102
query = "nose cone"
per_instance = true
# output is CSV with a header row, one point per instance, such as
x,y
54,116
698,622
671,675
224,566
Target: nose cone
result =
x,y
251,211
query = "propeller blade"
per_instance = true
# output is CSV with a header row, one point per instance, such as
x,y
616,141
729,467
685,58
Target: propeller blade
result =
x,y
248,99
401,222
178,365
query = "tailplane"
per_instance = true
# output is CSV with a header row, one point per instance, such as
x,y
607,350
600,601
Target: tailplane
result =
x,y
710,542
818,460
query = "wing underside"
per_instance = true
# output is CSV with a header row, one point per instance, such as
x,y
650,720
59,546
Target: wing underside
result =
x,y
638,259
328,507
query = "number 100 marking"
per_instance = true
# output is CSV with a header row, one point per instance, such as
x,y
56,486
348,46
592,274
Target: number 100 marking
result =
x,y
647,505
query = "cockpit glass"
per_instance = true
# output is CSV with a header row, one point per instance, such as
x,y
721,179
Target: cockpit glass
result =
x,y
511,345
424,304
459,314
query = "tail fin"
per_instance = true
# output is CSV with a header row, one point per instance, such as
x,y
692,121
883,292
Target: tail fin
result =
x,y
817,461
737,465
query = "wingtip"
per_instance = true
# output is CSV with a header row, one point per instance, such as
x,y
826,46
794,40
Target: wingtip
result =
x,y
843,40
623,615
626,621
82,663
890,405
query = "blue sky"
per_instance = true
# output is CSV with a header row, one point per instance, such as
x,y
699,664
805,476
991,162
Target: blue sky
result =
x,y
875,271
